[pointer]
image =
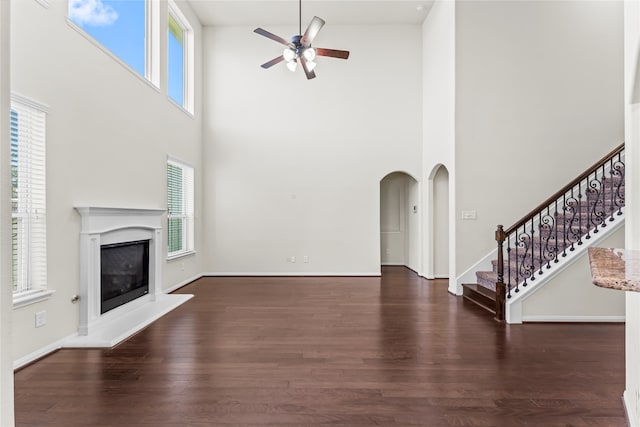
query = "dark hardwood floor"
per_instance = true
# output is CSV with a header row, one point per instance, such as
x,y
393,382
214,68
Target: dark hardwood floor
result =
x,y
396,350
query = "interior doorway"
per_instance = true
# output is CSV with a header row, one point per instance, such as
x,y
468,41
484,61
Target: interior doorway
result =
x,y
439,233
399,221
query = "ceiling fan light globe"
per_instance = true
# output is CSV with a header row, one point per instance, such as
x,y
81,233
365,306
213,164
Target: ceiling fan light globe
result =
x,y
292,65
288,54
310,54
311,65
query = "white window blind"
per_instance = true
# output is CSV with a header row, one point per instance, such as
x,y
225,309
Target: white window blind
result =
x,y
28,196
180,229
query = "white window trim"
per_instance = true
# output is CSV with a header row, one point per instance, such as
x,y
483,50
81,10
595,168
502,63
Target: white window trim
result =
x,y
22,299
190,250
31,297
188,59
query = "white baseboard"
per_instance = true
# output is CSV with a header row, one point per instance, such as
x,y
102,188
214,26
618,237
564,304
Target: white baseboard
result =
x,y
627,397
41,352
292,274
183,283
576,319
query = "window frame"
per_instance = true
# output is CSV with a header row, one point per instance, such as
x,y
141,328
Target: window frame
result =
x,y
188,53
151,40
187,209
33,286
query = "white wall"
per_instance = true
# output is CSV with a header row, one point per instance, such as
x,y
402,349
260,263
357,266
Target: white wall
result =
x,y
632,194
438,131
294,166
6,297
538,100
555,301
108,136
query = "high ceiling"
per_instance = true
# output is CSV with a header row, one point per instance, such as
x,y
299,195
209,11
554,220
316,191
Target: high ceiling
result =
x,y
285,12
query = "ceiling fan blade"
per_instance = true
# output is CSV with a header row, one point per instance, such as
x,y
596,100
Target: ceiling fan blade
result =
x,y
309,73
333,53
273,62
271,36
312,31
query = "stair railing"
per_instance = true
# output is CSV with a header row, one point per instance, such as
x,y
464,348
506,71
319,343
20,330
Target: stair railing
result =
x,y
558,225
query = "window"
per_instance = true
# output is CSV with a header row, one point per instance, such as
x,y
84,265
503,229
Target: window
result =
x,y
179,208
119,26
179,53
28,197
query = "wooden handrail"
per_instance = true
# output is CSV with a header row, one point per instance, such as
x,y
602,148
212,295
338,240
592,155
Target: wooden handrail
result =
x,y
566,188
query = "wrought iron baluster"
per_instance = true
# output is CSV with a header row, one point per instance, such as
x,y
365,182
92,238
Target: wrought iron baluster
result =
x,y
619,168
508,266
612,204
603,209
532,243
547,224
540,243
579,213
564,223
556,231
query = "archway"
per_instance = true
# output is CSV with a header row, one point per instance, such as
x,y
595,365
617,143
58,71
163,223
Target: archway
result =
x,y
399,221
438,228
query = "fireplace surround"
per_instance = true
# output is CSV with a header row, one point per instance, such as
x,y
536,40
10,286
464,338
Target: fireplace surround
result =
x,y
105,227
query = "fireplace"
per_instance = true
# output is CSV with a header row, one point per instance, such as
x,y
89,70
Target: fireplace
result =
x,y
123,249
124,273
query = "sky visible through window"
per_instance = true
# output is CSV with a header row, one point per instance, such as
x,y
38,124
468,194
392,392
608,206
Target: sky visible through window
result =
x,y
176,61
119,25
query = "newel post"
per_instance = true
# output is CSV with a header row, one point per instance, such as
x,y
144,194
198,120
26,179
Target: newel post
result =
x,y
500,286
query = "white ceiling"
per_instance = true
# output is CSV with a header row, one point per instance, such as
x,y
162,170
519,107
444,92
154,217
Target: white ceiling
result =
x,y
285,12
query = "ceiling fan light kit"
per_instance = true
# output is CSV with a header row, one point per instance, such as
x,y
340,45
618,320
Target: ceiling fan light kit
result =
x,y
299,48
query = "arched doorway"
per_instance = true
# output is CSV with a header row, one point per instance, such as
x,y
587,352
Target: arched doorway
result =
x,y
438,228
399,221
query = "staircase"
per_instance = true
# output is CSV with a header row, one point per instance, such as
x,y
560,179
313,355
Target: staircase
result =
x,y
534,246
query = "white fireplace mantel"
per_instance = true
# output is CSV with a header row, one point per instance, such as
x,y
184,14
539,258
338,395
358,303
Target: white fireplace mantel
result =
x,y
103,226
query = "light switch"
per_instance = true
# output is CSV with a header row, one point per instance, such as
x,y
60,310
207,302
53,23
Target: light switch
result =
x,y
468,215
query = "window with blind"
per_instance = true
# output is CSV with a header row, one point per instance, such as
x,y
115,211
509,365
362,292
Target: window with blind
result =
x,y
179,54
28,197
179,209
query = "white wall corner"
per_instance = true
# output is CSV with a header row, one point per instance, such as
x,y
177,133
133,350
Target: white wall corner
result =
x,y
514,312
483,264
627,398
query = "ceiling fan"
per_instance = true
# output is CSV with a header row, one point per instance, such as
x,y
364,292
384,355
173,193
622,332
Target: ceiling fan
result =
x,y
299,48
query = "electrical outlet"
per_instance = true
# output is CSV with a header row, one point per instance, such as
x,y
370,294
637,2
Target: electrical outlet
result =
x,y
293,259
305,259
41,318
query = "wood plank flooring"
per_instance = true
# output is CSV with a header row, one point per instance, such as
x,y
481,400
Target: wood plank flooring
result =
x,y
396,350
